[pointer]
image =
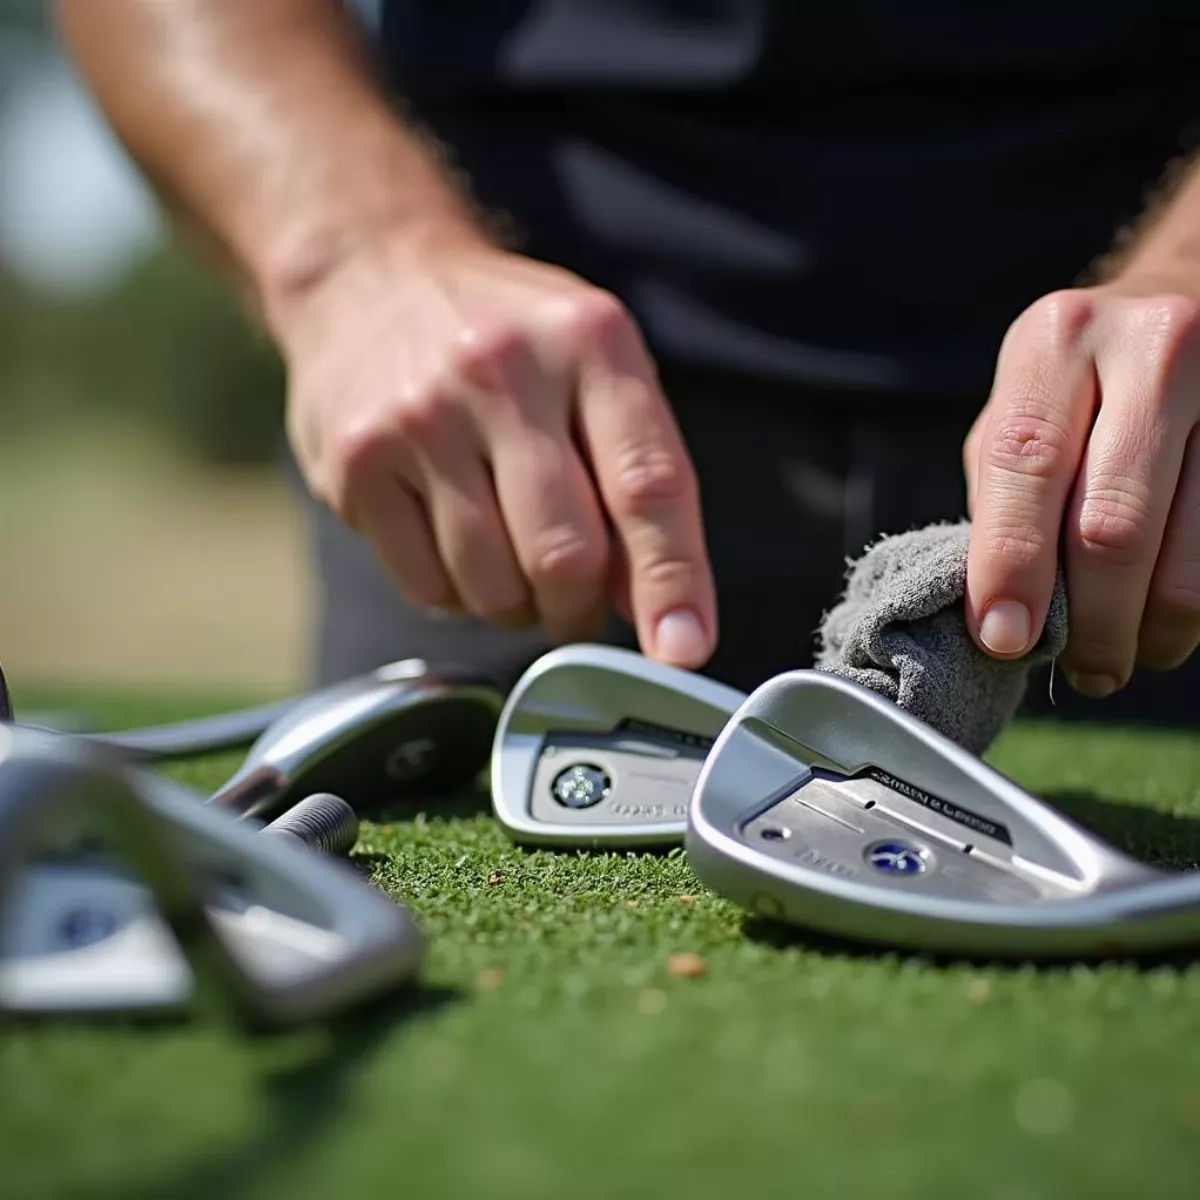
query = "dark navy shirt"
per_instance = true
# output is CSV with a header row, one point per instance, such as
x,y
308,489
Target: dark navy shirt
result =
x,y
858,192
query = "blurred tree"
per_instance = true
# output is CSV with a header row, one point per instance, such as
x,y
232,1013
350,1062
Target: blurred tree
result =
x,y
168,347
24,14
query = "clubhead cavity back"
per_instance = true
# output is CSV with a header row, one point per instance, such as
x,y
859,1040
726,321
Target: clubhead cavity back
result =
x,y
825,805
121,891
404,727
598,746
400,731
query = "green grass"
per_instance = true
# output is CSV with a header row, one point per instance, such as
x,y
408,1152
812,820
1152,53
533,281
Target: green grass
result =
x,y
551,1053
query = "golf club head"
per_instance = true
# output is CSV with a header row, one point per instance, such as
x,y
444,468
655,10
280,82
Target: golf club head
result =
x,y
825,805
219,732
399,731
599,746
6,709
121,892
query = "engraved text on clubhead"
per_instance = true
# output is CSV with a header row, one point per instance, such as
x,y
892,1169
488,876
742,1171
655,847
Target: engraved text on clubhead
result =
x,y
612,779
858,828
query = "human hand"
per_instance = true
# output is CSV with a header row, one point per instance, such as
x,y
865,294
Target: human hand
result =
x,y
1089,444
495,428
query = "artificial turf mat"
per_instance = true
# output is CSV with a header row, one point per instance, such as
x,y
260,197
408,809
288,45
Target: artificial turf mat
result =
x,y
551,1051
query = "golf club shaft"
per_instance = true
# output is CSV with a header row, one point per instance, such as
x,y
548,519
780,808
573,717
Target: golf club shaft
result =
x,y
201,735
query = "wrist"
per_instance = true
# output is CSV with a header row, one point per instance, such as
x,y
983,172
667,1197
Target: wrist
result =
x,y
1150,278
396,212
315,253
1160,253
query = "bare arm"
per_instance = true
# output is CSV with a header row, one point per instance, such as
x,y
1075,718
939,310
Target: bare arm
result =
x,y
475,414
262,127
1163,246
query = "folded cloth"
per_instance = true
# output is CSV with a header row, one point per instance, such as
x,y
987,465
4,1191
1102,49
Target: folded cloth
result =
x,y
900,629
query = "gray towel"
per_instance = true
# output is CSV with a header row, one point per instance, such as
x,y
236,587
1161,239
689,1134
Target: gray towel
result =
x,y
900,630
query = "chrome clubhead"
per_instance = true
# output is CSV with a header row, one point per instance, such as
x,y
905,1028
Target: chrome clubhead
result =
x,y
401,730
599,746
122,892
219,732
825,805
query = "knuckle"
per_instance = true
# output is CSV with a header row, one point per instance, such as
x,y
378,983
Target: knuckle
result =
x,y
567,555
359,446
1170,318
1168,330
649,479
1014,546
1114,523
486,575
354,453
421,413
669,575
589,316
1028,445
485,354
1061,319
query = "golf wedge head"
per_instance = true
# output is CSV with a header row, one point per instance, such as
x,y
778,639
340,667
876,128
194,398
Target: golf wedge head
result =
x,y
121,891
599,746
402,730
825,805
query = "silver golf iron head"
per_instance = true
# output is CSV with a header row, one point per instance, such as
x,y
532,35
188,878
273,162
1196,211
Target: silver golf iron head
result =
x,y
401,730
235,730
120,891
825,805
599,746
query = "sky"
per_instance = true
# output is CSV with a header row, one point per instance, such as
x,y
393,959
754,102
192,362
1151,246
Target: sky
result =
x,y
73,209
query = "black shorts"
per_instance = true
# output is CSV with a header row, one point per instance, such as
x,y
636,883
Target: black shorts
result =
x,y
793,485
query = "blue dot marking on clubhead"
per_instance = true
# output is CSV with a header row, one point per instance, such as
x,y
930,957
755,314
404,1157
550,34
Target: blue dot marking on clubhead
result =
x,y
896,858
85,926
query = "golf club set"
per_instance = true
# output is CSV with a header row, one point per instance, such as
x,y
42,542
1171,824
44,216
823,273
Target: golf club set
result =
x,y
124,891
811,800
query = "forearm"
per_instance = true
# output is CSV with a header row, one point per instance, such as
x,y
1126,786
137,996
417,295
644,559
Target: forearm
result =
x,y
1162,248
260,121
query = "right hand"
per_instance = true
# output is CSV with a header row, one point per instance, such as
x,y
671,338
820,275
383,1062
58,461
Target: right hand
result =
x,y
495,428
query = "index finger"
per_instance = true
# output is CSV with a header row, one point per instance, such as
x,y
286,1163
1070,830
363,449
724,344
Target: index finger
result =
x,y
649,487
1029,449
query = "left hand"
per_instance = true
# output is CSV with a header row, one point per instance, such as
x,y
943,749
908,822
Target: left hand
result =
x,y
1090,446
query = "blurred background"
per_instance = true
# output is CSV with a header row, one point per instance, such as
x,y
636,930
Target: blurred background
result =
x,y
146,530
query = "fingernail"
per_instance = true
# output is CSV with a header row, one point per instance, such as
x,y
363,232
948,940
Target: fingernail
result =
x,y
680,639
1005,627
1095,686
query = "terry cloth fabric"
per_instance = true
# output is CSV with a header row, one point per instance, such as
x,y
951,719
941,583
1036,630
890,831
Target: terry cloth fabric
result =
x,y
900,630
